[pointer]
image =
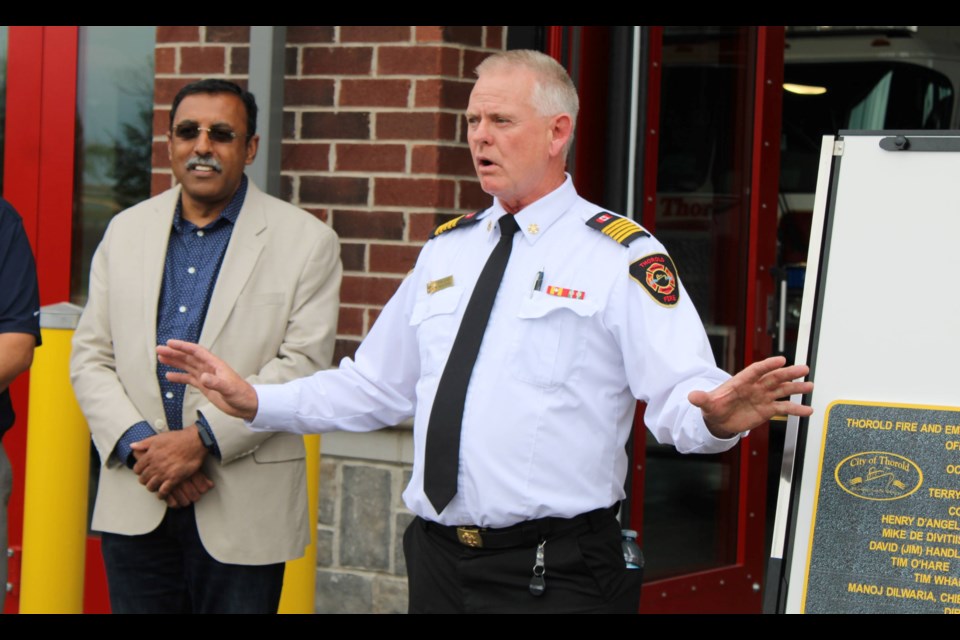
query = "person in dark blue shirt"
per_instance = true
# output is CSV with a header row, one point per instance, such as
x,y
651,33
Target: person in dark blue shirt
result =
x,y
19,334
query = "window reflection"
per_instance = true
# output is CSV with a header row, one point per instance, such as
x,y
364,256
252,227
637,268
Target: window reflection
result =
x,y
856,95
114,136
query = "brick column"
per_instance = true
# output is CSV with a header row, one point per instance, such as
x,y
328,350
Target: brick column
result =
x,y
374,143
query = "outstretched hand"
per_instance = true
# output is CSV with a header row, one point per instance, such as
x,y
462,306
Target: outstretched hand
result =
x,y
211,376
750,398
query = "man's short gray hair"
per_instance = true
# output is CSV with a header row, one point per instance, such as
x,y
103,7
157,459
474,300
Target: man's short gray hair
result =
x,y
553,92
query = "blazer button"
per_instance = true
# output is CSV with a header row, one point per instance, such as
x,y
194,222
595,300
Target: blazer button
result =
x,y
160,425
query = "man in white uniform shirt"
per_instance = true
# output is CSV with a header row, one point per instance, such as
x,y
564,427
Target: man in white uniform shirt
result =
x,y
519,440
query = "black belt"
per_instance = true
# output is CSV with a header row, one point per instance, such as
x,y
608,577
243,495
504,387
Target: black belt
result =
x,y
523,534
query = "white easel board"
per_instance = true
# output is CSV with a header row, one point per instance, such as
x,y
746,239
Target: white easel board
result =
x,y
871,511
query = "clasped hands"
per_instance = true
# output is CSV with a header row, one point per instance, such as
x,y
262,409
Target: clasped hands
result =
x,y
168,464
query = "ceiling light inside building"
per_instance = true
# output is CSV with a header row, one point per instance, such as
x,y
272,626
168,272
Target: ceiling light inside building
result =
x,y
804,89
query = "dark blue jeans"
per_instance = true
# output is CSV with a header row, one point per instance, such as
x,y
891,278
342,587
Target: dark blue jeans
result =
x,y
169,571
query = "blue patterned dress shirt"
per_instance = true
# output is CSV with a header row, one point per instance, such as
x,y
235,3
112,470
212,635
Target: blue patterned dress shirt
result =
x,y
194,256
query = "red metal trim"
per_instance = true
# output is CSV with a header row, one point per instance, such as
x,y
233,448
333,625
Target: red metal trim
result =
x,y
593,123
648,215
38,180
748,499
96,597
763,188
21,167
555,43
651,136
21,180
57,137
753,322
721,590
41,119
638,482
762,255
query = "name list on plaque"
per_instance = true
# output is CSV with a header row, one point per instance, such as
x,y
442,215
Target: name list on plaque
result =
x,y
886,525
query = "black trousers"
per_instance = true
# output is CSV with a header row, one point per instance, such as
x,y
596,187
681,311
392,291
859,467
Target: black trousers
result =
x,y
584,573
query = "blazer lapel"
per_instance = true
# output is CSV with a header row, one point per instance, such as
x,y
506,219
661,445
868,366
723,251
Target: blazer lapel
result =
x,y
156,237
245,246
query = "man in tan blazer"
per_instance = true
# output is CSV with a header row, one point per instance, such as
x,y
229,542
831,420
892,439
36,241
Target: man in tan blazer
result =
x,y
198,514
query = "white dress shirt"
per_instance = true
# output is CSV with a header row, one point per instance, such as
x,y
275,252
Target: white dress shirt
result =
x,y
551,400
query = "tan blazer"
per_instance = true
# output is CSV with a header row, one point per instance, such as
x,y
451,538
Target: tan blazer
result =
x,y
272,316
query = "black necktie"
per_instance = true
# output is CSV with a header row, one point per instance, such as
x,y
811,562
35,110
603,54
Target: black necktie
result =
x,y
443,432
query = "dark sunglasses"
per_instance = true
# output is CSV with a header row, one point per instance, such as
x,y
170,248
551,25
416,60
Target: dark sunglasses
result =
x,y
216,133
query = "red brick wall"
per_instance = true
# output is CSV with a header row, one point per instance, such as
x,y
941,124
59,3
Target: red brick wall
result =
x,y
373,139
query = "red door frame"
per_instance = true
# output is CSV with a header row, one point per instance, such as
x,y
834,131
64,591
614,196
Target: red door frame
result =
x,y
737,587
39,153
41,114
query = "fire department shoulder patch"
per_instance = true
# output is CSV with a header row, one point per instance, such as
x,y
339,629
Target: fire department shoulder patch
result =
x,y
657,275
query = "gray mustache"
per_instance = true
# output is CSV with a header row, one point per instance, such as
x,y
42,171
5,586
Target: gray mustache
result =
x,y
210,162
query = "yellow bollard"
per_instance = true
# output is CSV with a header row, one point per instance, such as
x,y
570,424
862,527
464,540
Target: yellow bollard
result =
x,y
300,577
57,475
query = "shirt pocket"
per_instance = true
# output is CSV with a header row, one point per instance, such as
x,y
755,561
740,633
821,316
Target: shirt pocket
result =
x,y
551,340
437,324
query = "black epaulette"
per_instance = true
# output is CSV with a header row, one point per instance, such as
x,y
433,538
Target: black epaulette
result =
x,y
456,223
623,230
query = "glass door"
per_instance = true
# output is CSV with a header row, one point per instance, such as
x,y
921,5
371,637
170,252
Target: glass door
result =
x,y
76,142
690,503
713,204
688,122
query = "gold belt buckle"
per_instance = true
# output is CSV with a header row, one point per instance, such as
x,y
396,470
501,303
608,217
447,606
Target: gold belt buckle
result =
x,y
469,537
